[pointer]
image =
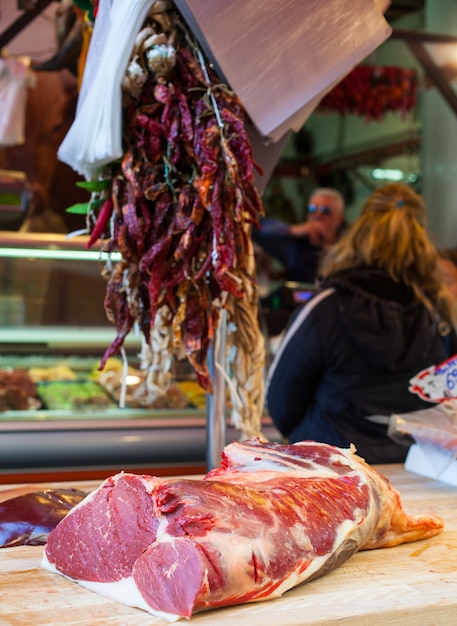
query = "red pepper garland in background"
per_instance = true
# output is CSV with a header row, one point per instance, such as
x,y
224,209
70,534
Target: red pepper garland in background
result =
x,y
372,91
182,200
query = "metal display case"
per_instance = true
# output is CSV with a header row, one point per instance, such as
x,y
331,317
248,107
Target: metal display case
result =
x,y
52,314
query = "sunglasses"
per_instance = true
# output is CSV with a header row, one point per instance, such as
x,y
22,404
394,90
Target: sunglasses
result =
x,y
323,209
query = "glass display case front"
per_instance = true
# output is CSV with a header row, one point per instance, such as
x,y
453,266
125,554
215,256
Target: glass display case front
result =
x,y
57,409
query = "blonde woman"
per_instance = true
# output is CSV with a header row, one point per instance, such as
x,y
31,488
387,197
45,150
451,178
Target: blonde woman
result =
x,y
382,315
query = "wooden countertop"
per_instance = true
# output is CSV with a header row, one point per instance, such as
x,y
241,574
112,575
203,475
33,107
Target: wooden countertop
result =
x,y
409,585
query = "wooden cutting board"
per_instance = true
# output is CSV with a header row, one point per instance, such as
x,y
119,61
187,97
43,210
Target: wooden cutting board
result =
x,y
410,585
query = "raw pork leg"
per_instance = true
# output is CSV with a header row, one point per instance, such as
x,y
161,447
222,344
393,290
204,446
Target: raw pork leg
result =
x,y
269,518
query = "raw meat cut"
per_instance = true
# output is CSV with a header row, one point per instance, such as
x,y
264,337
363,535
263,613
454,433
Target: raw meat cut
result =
x,y
269,518
28,518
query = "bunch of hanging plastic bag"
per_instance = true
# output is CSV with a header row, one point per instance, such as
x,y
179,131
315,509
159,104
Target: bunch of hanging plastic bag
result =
x,y
95,137
433,431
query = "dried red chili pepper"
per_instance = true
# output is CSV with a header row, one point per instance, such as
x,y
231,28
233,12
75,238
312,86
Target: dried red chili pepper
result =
x,y
103,218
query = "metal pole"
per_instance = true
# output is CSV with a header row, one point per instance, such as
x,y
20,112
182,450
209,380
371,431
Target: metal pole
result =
x,y
216,402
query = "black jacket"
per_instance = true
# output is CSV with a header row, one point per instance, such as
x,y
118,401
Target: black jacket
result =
x,y
348,355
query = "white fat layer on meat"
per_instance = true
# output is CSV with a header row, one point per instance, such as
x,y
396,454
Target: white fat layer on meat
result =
x,y
45,564
261,461
161,534
267,469
300,538
124,591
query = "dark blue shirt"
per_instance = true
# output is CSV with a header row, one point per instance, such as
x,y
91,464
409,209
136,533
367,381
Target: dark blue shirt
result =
x,y
298,256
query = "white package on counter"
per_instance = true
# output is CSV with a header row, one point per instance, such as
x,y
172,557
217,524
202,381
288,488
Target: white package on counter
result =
x,y
433,462
434,431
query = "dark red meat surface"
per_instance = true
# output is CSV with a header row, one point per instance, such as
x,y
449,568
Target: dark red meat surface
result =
x,y
27,519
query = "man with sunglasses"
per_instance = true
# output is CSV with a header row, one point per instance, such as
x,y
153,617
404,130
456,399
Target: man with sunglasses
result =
x,y
298,247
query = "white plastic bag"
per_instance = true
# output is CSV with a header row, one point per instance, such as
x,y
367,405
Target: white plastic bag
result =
x,y
436,426
95,137
15,78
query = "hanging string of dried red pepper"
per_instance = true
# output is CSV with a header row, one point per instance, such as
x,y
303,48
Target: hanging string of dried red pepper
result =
x,y
181,196
373,91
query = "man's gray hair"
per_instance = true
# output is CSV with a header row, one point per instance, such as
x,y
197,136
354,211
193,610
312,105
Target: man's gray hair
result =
x,y
329,191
